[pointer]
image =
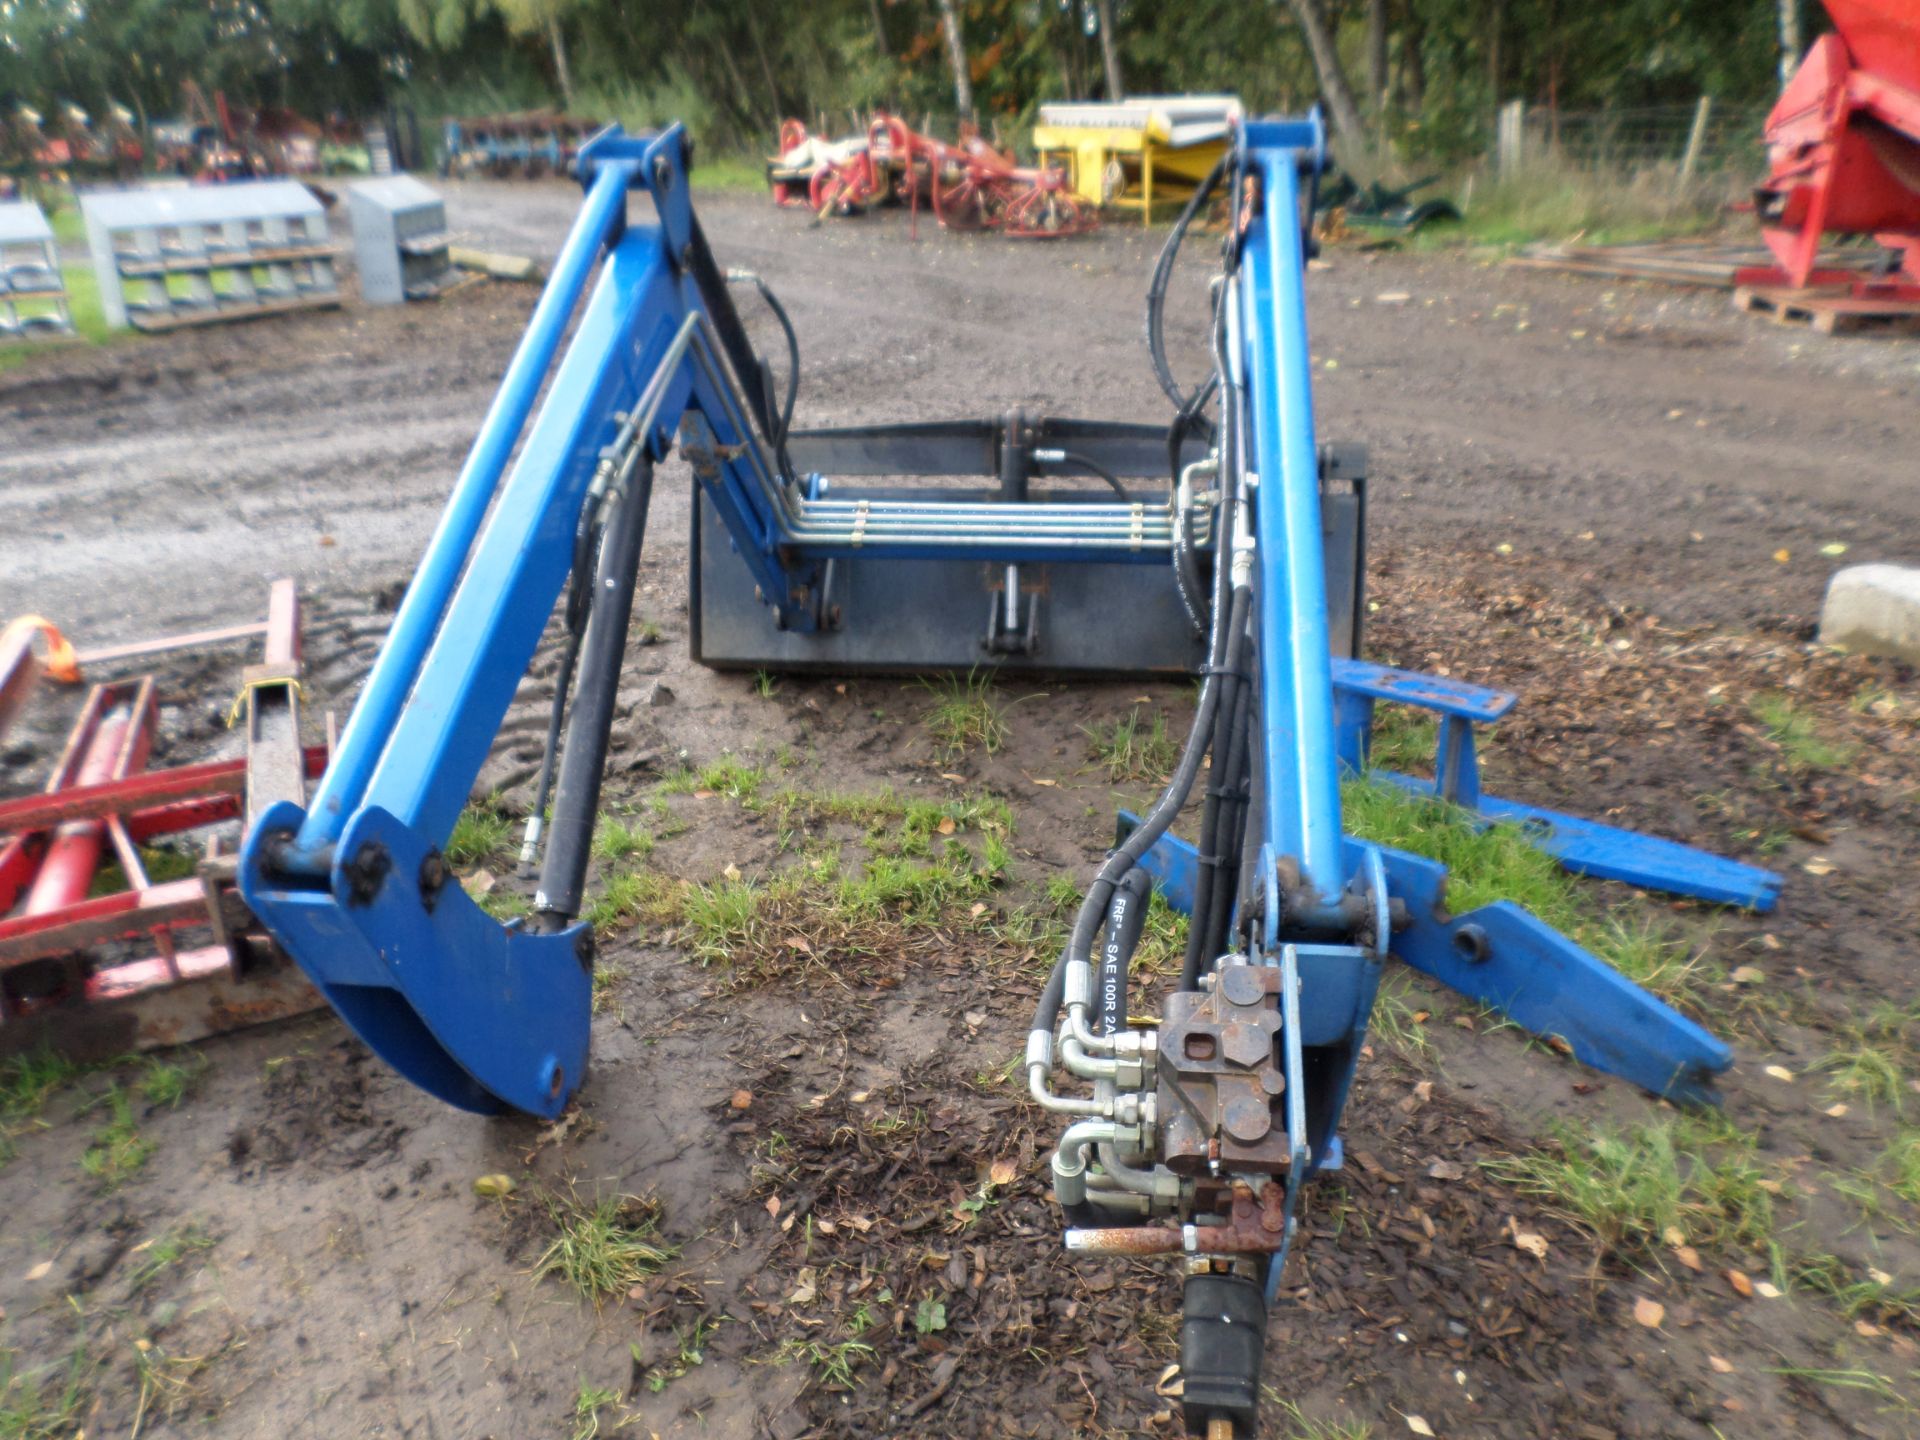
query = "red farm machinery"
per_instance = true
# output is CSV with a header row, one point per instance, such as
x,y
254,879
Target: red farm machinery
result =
x,y
121,927
968,184
1843,147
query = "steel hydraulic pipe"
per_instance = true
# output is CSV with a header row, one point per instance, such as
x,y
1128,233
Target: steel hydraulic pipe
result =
x,y
577,800
1295,664
421,610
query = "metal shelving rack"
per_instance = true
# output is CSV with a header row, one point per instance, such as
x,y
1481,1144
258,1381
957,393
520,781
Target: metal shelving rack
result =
x,y
169,258
33,293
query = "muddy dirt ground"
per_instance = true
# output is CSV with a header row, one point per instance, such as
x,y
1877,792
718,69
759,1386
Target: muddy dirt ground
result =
x,y
1614,499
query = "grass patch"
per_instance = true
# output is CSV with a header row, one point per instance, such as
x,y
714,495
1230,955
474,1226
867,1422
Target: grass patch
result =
x,y
1404,738
967,714
1302,1426
44,1404
478,835
615,840
117,1151
607,974
1627,1188
1397,1020
728,776
833,1364
1132,750
28,1081
161,1255
729,173
691,1352
1901,1165
1486,863
587,1406
504,904
1857,1296
1546,202
1793,728
164,1082
161,862
626,897
605,1248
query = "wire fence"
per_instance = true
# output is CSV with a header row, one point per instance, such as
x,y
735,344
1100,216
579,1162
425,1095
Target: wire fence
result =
x,y
1705,142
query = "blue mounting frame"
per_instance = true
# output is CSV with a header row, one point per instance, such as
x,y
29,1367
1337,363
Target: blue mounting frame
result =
x,y
489,1016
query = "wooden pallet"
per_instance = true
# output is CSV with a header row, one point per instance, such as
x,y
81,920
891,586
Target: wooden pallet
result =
x,y
1831,312
1674,262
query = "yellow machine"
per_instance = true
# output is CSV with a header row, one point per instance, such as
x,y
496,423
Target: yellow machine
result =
x,y
1121,153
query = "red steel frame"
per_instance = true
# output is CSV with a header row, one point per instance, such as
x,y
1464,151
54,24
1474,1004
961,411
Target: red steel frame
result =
x,y
1844,146
64,954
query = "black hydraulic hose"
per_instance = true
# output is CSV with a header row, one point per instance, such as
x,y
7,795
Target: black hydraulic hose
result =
x,y
1215,818
1074,457
1157,820
782,421
1163,274
1125,918
1219,877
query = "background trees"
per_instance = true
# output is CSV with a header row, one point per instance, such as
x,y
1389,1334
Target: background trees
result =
x,y
1421,75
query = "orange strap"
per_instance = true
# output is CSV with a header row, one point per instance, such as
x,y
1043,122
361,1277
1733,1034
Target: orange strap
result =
x,y
60,662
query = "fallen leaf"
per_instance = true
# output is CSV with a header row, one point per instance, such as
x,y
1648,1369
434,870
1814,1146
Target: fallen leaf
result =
x,y
1446,1170
1867,1329
1879,1277
732,872
1418,1425
1783,555
773,1206
946,825
1817,866
1836,1110
1688,1256
1423,1091
1002,1172
1050,783
742,1099
798,944
1766,1290
1724,1367
977,910
40,1271
1530,1241
859,1097
957,779
1742,1286
1649,1313
1779,1072
493,1187
805,1292
1748,975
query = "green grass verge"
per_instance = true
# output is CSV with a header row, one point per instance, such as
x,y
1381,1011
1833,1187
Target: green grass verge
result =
x,y
1486,863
